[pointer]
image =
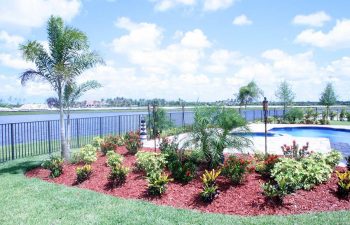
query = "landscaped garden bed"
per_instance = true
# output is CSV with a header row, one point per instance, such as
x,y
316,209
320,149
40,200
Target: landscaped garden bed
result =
x,y
242,199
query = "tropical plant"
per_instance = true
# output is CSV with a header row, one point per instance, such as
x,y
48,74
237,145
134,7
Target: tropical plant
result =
x,y
309,116
86,154
107,146
328,97
342,115
294,115
150,162
114,159
275,191
343,183
96,142
210,189
248,94
212,132
293,151
158,121
133,142
235,168
83,173
285,94
67,58
348,162
264,168
55,165
116,140
117,175
157,183
332,115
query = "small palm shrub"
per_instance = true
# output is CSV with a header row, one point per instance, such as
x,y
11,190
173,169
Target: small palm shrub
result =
x,y
342,115
309,114
332,115
83,173
117,175
55,165
150,162
86,154
294,115
132,142
293,151
157,183
348,116
343,183
114,158
210,189
235,168
275,191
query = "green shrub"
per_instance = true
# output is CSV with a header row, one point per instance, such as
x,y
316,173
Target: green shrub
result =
x,y
348,162
332,115
157,183
275,191
348,116
86,154
116,140
343,183
83,173
309,116
117,175
264,168
55,165
294,115
333,158
96,142
235,169
342,115
114,159
210,189
132,142
304,173
107,146
150,162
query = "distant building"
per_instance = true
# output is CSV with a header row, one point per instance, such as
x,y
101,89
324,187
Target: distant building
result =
x,y
92,104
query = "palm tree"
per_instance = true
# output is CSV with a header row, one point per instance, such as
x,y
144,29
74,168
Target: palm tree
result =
x,y
72,93
67,57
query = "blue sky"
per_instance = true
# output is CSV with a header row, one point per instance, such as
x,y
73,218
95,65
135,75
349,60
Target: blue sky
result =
x,y
190,49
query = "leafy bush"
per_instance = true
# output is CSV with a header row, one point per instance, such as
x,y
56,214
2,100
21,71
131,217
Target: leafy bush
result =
x,y
333,158
96,142
342,115
293,150
55,165
264,168
159,121
343,183
133,142
309,116
324,119
166,145
107,146
235,169
210,189
117,174
275,191
86,154
332,115
114,139
83,173
294,115
348,116
150,162
114,159
157,183
304,173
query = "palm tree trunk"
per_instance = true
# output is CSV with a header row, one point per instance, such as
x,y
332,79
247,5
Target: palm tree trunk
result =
x,y
64,149
68,130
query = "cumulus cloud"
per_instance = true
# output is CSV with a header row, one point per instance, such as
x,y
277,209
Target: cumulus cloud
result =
x,y
315,19
14,61
10,41
207,5
35,13
337,37
242,20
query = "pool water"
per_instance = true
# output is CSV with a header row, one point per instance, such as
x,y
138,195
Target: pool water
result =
x,y
339,138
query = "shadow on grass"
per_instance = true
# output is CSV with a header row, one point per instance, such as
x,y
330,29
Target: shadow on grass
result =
x,y
18,167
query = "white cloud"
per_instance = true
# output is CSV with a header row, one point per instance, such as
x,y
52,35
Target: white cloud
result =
x,y
163,5
207,5
14,62
213,5
221,60
316,19
337,37
242,20
35,13
195,39
10,41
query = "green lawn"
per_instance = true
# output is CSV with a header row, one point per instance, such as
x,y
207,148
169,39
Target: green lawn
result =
x,y
333,122
33,201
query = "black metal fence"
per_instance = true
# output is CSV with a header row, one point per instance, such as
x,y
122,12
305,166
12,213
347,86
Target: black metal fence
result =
x,y
19,140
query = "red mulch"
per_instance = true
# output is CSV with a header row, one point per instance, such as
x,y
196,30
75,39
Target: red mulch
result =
x,y
246,199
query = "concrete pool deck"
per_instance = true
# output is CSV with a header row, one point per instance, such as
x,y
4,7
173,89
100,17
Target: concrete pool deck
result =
x,y
274,143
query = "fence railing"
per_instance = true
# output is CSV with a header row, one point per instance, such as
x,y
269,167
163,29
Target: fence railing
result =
x,y
19,140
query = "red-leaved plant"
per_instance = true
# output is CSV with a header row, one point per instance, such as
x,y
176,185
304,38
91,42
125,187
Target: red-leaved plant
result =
x,y
133,142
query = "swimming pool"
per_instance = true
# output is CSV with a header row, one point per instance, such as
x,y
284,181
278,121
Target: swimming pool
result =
x,y
339,138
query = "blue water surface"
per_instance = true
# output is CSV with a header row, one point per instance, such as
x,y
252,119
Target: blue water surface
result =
x,y
339,138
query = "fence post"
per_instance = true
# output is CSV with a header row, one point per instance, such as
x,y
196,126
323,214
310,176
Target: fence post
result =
x,y
78,138
101,127
49,135
12,142
119,126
